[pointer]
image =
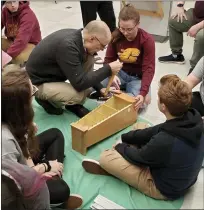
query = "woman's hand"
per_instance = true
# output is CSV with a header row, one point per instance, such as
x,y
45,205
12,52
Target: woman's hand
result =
x,y
193,31
49,175
139,100
56,167
116,83
111,90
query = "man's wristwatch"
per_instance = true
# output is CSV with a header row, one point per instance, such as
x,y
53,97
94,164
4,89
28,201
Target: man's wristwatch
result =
x,y
180,5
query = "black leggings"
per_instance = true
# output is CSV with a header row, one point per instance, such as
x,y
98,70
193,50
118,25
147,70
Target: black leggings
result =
x,y
197,103
105,10
51,145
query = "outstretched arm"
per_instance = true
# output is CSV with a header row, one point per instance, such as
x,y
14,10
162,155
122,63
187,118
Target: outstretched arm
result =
x,y
154,154
140,137
195,77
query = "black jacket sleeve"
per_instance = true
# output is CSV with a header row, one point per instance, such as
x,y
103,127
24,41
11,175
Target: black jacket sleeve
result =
x,y
155,153
69,60
140,137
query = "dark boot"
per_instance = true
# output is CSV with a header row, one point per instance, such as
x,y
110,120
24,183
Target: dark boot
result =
x,y
49,108
78,110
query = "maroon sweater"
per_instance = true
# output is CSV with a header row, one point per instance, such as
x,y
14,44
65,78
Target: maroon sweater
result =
x,y
198,11
144,66
21,27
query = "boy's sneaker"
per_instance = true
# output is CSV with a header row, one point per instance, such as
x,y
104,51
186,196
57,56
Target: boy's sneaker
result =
x,y
93,167
179,59
74,201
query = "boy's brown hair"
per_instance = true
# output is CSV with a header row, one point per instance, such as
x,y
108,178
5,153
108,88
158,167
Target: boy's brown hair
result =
x,y
175,94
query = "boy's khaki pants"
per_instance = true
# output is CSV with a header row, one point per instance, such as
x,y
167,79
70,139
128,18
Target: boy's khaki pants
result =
x,y
137,177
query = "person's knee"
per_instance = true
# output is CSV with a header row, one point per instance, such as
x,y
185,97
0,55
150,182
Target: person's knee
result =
x,y
59,191
200,37
58,134
81,96
172,22
78,98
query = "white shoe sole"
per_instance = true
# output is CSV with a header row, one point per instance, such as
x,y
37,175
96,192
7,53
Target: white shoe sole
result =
x,y
173,62
93,167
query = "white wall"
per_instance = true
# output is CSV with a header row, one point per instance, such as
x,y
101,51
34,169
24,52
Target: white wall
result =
x,y
154,25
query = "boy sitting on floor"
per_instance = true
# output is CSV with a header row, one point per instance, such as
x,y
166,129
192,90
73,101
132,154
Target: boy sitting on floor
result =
x,y
22,30
162,161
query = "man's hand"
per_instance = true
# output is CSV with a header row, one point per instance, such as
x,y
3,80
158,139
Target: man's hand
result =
x,y
193,31
116,83
112,90
139,100
115,67
180,14
140,126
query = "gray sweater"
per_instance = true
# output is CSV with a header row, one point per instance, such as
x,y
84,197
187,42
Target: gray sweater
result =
x,y
10,147
60,57
27,178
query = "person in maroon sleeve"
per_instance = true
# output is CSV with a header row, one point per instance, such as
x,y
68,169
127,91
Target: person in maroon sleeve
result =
x,y
192,22
22,30
136,49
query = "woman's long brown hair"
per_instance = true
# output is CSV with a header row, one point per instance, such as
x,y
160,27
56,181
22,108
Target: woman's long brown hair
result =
x,y
17,111
128,12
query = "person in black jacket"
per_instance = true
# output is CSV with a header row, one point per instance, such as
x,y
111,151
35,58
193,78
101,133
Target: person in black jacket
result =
x,y
89,10
105,10
162,161
67,54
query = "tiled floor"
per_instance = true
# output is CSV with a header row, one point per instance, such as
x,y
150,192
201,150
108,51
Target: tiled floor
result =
x,y
53,17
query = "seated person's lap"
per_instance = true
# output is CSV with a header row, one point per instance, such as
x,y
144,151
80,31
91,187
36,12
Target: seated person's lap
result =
x,y
130,84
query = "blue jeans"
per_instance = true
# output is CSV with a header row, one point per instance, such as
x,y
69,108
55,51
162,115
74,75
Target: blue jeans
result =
x,y
131,84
